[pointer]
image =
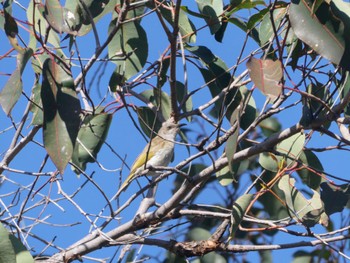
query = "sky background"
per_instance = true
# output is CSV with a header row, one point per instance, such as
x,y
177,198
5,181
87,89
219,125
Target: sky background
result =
x,y
126,141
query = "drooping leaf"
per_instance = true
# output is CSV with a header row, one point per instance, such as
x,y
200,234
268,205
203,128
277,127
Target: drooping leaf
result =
x,y
147,120
291,147
11,30
270,126
22,254
59,18
225,176
40,24
322,31
266,29
266,75
217,77
36,105
61,109
181,95
128,49
273,206
7,252
12,90
231,144
92,134
289,151
334,197
302,256
160,99
310,178
211,10
238,211
249,113
97,9
301,209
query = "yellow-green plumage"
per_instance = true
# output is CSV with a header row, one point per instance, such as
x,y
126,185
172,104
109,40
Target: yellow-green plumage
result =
x,y
158,152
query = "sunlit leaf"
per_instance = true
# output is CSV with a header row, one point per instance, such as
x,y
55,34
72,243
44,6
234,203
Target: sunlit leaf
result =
x,y
211,10
40,24
266,75
36,106
289,149
326,37
61,109
59,18
306,211
12,90
7,253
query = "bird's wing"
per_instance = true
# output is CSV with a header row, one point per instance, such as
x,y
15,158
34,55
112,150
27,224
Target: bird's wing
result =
x,y
139,162
141,159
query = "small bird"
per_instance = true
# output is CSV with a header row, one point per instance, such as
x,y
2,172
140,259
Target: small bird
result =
x,y
158,152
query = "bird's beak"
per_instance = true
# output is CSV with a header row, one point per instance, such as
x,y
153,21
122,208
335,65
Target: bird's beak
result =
x,y
182,124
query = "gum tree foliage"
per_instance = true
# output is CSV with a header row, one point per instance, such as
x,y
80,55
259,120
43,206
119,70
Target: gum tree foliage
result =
x,y
261,165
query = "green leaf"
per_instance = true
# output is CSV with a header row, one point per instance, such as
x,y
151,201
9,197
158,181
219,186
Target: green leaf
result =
x,y
7,252
322,32
211,10
22,254
92,134
12,90
249,114
270,126
292,147
187,28
181,95
266,30
301,209
128,49
97,9
231,144
198,234
61,109
160,99
60,18
302,256
334,197
147,120
275,208
225,176
310,160
289,149
238,211
36,105
40,24
256,18
217,77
